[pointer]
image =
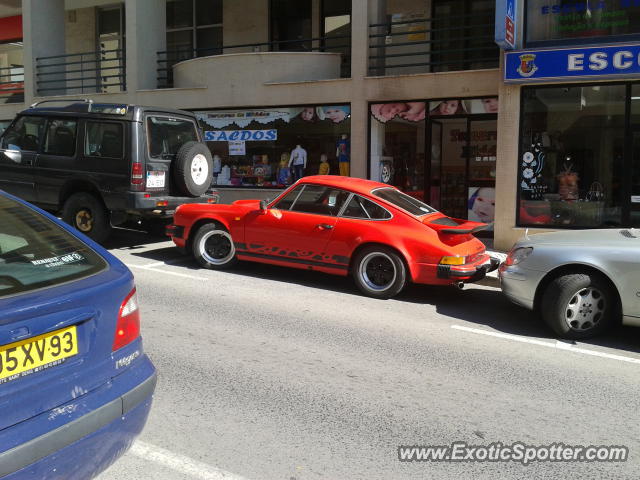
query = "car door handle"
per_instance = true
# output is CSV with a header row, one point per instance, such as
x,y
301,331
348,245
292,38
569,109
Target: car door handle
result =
x,y
324,226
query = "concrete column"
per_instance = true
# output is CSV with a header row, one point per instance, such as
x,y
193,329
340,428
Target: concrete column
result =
x,y
43,27
507,163
146,35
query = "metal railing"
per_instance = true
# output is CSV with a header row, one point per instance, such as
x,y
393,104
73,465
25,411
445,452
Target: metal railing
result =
x,y
12,84
439,44
88,72
334,43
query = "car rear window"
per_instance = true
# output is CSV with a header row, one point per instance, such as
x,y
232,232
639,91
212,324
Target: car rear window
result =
x,y
36,253
403,201
167,134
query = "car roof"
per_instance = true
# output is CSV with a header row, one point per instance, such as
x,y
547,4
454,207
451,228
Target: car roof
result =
x,y
356,185
110,111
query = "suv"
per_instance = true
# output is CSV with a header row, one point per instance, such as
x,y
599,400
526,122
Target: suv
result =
x,y
99,165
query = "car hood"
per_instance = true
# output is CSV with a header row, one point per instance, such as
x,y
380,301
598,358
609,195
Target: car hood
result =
x,y
603,237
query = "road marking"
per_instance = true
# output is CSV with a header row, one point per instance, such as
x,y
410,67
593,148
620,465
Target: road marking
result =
x,y
184,275
166,262
557,344
180,463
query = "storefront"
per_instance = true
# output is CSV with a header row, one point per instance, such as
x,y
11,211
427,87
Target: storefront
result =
x,y
442,152
269,148
579,135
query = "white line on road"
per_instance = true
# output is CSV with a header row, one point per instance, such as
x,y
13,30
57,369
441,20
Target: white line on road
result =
x,y
184,275
166,262
557,344
180,463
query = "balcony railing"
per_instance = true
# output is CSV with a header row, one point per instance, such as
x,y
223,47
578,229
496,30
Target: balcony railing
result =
x,y
89,72
334,43
441,44
12,84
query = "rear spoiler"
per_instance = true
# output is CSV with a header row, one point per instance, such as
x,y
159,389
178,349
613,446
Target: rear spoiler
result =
x,y
454,226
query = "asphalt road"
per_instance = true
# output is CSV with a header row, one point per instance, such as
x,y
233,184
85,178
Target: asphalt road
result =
x,y
272,373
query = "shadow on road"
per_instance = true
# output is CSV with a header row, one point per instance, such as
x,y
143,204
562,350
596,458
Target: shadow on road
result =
x,y
484,306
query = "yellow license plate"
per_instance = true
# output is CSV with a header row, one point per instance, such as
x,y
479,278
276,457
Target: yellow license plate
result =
x,y
37,353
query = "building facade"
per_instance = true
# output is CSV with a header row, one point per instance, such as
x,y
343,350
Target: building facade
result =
x,y
412,93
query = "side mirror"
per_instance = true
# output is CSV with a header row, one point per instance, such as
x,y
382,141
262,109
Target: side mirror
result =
x,y
263,207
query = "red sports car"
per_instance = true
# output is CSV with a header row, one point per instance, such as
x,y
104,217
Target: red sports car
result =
x,y
340,225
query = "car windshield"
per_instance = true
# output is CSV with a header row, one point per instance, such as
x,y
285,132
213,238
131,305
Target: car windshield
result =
x,y
404,201
167,134
37,253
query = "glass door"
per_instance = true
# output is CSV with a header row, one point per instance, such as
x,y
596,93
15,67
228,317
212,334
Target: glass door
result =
x,y
291,25
450,147
111,49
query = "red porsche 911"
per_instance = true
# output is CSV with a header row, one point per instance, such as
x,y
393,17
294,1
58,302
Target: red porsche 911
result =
x,y
339,225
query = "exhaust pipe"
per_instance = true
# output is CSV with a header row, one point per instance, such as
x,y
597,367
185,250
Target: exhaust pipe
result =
x,y
459,285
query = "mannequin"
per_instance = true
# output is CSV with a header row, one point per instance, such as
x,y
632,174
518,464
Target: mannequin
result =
x,y
324,165
343,151
298,162
284,172
217,168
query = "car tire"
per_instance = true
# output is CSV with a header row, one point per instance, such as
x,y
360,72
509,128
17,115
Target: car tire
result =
x,y
379,272
87,214
213,247
579,305
193,169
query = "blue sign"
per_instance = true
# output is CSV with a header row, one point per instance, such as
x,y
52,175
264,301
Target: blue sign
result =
x,y
612,61
505,34
240,135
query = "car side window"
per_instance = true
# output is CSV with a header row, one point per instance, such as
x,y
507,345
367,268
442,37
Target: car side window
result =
x,y
320,200
104,139
285,202
360,207
61,137
23,134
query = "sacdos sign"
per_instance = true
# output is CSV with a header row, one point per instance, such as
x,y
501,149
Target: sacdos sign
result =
x,y
240,135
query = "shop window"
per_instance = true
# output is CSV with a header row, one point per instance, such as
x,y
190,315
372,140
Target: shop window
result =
x,y
61,138
571,164
398,145
567,22
274,147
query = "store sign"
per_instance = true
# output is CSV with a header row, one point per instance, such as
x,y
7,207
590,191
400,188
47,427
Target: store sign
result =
x,y
556,20
237,148
240,135
602,62
505,33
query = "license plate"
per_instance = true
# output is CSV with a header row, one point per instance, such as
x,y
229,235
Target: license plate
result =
x,y
37,353
155,179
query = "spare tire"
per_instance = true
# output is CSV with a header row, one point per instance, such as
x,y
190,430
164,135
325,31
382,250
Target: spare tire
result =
x,y
193,169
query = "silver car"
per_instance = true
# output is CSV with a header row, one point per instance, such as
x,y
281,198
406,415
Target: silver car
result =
x,y
582,282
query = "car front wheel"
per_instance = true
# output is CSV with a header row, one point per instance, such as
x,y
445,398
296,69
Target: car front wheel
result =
x,y
213,247
379,272
579,305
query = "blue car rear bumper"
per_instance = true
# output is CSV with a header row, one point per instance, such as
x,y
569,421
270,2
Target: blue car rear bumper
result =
x,y
82,438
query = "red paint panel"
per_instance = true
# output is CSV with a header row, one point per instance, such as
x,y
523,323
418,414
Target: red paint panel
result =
x,y
11,28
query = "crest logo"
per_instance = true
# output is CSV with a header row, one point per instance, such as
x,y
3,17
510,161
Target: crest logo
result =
x,y
527,68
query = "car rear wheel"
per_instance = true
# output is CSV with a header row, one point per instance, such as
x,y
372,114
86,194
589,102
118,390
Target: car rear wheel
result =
x,y
193,169
379,272
213,247
579,305
87,214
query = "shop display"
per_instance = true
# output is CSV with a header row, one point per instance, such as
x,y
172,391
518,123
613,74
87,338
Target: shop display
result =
x,y
259,148
343,152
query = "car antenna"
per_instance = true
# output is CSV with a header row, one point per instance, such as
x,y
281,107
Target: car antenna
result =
x,y
526,233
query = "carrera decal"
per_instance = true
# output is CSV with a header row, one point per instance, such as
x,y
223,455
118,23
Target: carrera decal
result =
x,y
293,260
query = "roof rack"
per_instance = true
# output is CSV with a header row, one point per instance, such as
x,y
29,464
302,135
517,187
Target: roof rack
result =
x,y
68,100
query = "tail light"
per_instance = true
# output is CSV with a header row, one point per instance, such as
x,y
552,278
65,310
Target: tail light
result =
x,y
137,177
128,324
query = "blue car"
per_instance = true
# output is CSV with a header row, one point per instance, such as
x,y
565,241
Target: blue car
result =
x,y
75,384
